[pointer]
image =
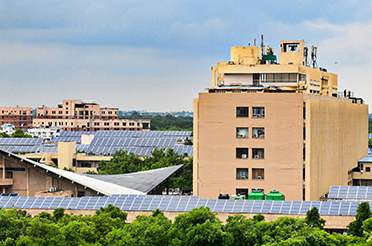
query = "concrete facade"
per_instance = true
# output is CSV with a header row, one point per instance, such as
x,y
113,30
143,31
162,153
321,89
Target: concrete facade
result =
x,y
20,117
28,180
292,132
79,115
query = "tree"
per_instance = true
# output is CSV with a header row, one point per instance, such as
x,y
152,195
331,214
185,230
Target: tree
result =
x,y
122,162
144,230
20,134
198,227
363,213
313,218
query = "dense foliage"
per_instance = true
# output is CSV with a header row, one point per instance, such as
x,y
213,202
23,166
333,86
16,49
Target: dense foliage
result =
x,y
198,227
363,213
166,123
122,162
19,133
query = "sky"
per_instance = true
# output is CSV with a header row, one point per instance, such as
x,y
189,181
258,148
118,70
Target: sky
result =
x,y
157,55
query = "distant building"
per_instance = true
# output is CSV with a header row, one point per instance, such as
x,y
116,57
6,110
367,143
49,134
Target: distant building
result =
x,y
267,125
79,115
20,117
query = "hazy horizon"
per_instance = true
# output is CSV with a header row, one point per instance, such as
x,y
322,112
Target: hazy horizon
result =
x,y
156,55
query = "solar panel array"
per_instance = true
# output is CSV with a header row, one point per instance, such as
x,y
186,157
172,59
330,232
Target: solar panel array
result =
x,y
105,142
75,134
30,149
350,192
67,139
21,141
134,142
180,204
25,145
143,134
141,151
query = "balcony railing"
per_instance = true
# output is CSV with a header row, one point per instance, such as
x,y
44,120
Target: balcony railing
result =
x,y
6,182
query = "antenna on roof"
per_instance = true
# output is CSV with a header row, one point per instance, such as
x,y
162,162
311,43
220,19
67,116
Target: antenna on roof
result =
x,y
314,50
262,40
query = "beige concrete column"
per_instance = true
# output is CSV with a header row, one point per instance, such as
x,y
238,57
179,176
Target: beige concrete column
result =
x,y
28,180
3,165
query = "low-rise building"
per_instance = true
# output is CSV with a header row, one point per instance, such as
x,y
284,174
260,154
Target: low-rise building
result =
x,y
83,115
20,117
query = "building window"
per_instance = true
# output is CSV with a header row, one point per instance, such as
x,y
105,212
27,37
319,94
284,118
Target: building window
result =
x,y
84,164
241,111
242,153
279,78
124,124
303,77
368,169
258,132
258,112
242,132
366,182
242,192
258,173
258,153
242,173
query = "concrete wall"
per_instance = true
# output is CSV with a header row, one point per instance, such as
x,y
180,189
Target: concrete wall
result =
x,y
336,139
215,143
66,152
30,181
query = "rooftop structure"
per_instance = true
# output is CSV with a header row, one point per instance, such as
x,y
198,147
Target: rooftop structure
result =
x,y
82,151
30,178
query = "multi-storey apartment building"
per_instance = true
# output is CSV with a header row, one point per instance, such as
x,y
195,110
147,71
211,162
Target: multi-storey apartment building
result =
x,y
20,117
79,115
267,125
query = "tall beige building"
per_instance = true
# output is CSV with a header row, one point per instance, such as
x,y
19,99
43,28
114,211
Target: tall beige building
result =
x,y
281,125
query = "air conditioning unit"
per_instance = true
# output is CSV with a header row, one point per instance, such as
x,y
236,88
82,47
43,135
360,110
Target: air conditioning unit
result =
x,y
257,157
259,177
303,87
244,156
243,177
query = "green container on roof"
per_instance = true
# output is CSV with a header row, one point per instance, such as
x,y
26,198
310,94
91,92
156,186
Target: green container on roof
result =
x,y
237,197
256,195
269,57
275,195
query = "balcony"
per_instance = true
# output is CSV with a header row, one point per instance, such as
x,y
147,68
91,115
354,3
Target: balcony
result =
x,y
6,182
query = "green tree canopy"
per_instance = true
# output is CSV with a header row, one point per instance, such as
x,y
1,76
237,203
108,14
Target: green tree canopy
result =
x,y
122,162
20,134
313,218
363,213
